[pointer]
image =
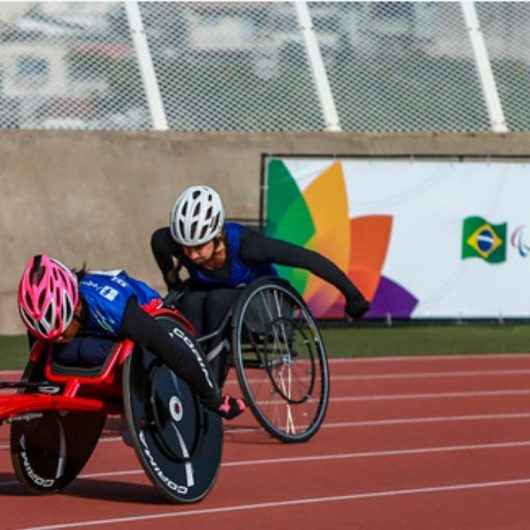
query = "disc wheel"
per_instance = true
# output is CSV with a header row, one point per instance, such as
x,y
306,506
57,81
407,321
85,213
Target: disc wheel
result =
x,y
49,449
178,442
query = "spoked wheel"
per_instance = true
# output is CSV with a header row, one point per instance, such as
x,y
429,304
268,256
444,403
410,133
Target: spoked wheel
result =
x,y
178,442
280,360
49,449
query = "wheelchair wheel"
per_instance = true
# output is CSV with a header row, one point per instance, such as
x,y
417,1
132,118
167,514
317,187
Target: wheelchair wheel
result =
x,y
49,449
178,442
280,359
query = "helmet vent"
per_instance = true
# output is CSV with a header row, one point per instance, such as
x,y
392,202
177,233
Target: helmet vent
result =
x,y
197,209
196,194
49,313
184,208
209,213
193,230
215,223
37,272
68,310
41,328
29,302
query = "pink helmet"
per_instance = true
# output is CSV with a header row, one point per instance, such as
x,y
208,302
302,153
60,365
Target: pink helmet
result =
x,y
47,297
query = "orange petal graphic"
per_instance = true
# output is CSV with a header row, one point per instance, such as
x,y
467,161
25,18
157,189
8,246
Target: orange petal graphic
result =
x,y
370,238
328,204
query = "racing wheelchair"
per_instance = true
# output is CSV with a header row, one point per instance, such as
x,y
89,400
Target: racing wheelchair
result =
x,y
275,346
58,414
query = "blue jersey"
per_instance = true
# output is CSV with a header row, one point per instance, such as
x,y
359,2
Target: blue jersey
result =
x,y
106,294
239,273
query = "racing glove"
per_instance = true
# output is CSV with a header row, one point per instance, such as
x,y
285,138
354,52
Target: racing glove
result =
x,y
356,308
231,407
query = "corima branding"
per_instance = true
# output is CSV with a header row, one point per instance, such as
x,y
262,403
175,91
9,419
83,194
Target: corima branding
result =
x,y
181,335
183,490
37,479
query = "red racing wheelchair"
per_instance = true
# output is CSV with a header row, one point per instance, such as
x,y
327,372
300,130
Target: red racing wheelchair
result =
x,y
58,412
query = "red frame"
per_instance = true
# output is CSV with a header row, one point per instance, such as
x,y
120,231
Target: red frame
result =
x,y
90,393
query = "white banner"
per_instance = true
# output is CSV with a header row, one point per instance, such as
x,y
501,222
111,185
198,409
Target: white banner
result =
x,y
451,237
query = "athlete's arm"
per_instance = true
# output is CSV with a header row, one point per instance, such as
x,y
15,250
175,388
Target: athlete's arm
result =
x,y
164,249
256,248
145,331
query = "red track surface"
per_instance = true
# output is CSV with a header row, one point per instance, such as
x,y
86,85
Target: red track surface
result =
x,y
408,444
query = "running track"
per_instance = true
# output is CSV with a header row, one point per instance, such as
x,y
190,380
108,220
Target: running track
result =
x,y
408,444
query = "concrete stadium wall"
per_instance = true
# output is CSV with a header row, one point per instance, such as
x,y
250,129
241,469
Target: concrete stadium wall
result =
x,y
96,197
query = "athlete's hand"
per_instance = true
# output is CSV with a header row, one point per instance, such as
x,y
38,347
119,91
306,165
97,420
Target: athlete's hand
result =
x,y
355,309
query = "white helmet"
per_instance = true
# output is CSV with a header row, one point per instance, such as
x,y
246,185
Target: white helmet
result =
x,y
197,216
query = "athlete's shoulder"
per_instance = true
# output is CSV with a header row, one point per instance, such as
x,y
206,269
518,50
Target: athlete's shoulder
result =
x,y
161,235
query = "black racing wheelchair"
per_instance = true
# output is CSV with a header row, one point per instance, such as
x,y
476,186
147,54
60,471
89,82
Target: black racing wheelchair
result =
x,y
275,346
58,413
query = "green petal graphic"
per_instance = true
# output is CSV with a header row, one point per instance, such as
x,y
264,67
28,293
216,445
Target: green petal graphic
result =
x,y
288,217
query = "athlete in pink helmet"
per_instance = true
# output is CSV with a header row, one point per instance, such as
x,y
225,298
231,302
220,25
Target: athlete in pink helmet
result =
x,y
47,297
57,304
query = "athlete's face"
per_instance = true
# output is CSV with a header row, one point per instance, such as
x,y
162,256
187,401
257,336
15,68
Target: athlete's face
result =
x,y
200,254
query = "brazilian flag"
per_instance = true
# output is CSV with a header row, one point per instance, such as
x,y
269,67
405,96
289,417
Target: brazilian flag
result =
x,y
482,239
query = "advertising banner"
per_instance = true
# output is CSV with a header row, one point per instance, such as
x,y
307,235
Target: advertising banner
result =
x,y
421,238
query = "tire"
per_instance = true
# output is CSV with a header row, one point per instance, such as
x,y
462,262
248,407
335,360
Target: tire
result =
x,y
178,442
280,360
49,449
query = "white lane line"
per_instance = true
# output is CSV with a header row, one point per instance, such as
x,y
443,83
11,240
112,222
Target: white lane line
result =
x,y
396,421
434,419
318,458
101,440
407,375
399,421
394,358
433,395
292,502
412,358
419,375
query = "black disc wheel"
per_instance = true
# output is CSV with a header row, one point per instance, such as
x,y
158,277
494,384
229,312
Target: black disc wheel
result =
x,y
49,449
178,442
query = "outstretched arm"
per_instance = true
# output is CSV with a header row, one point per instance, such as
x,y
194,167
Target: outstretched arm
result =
x,y
260,249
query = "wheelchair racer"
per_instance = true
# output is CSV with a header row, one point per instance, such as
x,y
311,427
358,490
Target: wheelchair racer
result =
x,y
220,256
56,304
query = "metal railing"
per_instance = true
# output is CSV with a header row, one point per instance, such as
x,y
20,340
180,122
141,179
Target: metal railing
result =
x,y
265,66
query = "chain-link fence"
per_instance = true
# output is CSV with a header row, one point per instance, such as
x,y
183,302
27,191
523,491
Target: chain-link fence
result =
x,y
265,66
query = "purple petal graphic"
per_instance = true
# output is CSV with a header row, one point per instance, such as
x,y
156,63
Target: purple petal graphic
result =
x,y
391,298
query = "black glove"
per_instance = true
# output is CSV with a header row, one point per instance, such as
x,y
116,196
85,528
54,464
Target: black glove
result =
x,y
173,296
356,308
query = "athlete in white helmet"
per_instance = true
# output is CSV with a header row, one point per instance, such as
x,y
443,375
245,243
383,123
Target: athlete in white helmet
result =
x,y
220,256
197,216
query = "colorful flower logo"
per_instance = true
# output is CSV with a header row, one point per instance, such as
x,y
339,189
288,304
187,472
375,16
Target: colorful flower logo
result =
x,y
318,219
